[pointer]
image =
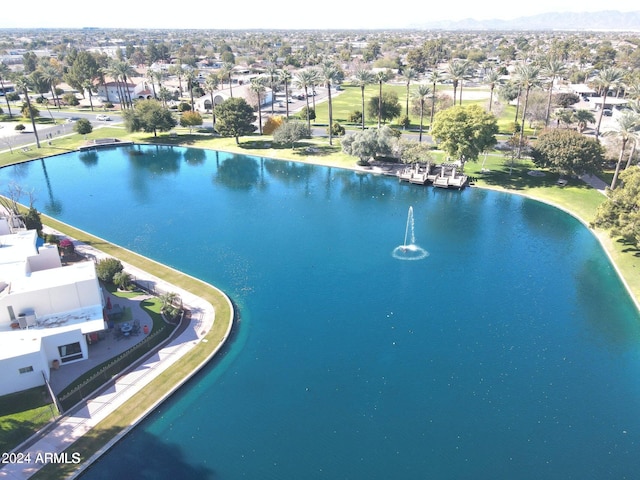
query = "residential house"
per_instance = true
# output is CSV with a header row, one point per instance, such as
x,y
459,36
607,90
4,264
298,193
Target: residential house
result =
x,y
46,310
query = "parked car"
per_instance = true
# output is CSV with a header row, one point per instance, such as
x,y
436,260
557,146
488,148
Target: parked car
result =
x,y
607,112
103,118
72,119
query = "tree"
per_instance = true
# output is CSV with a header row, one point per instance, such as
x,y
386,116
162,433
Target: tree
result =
x,y
258,87
567,152
626,128
190,119
369,144
362,78
307,113
409,74
32,220
414,152
272,124
305,79
329,74
582,118
381,77
285,79
456,70
148,116
290,132
83,126
492,77
621,211
107,268
465,132
565,100
235,117
421,94
5,71
607,77
528,77
22,83
434,78
386,107
211,84
553,68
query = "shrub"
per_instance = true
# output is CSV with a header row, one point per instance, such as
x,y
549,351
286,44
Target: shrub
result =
x,y
107,268
83,126
355,117
337,130
20,127
70,99
272,124
303,113
405,122
107,105
122,280
184,107
32,220
13,96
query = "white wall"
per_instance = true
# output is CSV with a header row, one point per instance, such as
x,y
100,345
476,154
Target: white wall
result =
x,y
14,381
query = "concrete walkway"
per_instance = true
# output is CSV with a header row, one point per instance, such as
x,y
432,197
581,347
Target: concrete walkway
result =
x,y
75,424
595,182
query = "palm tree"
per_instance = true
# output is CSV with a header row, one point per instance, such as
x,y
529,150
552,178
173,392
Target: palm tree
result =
x,y
258,87
178,71
626,128
52,75
304,79
211,84
381,77
5,72
553,69
23,83
582,118
272,72
151,76
329,74
492,78
227,70
409,74
607,78
362,78
285,78
434,78
88,86
528,77
191,79
456,70
421,94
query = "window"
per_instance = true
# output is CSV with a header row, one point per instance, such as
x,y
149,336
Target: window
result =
x,y
26,369
70,352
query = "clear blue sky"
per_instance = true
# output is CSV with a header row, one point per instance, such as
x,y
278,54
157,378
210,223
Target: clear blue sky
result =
x,y
282,13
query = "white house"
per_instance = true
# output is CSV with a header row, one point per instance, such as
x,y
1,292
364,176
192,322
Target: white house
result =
x,y
203,103
46,310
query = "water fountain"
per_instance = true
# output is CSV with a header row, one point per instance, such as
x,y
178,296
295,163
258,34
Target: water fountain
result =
x,y
409,250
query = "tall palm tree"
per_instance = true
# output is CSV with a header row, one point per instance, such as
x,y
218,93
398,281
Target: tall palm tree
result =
x,y
285,79
53,76
626,128
456,70
304,79
227,71
421,94
329,75
492,77
258,87
408,74
88,86
178,71
151,76
272,73
211,84
434,78
191,79
23,84
381,77
362,78
5,72
582,118
528,77
552,68
607,78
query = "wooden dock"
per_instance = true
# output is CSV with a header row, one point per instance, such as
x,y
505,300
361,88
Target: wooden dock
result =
x,y
443,176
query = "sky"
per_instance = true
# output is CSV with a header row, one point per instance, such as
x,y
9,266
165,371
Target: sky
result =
x,y
285,14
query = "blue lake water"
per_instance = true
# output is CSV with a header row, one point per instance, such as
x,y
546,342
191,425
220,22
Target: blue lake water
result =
x,y
511,351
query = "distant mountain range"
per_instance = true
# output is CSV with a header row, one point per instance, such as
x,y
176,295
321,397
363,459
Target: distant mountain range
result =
x,y
609,20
